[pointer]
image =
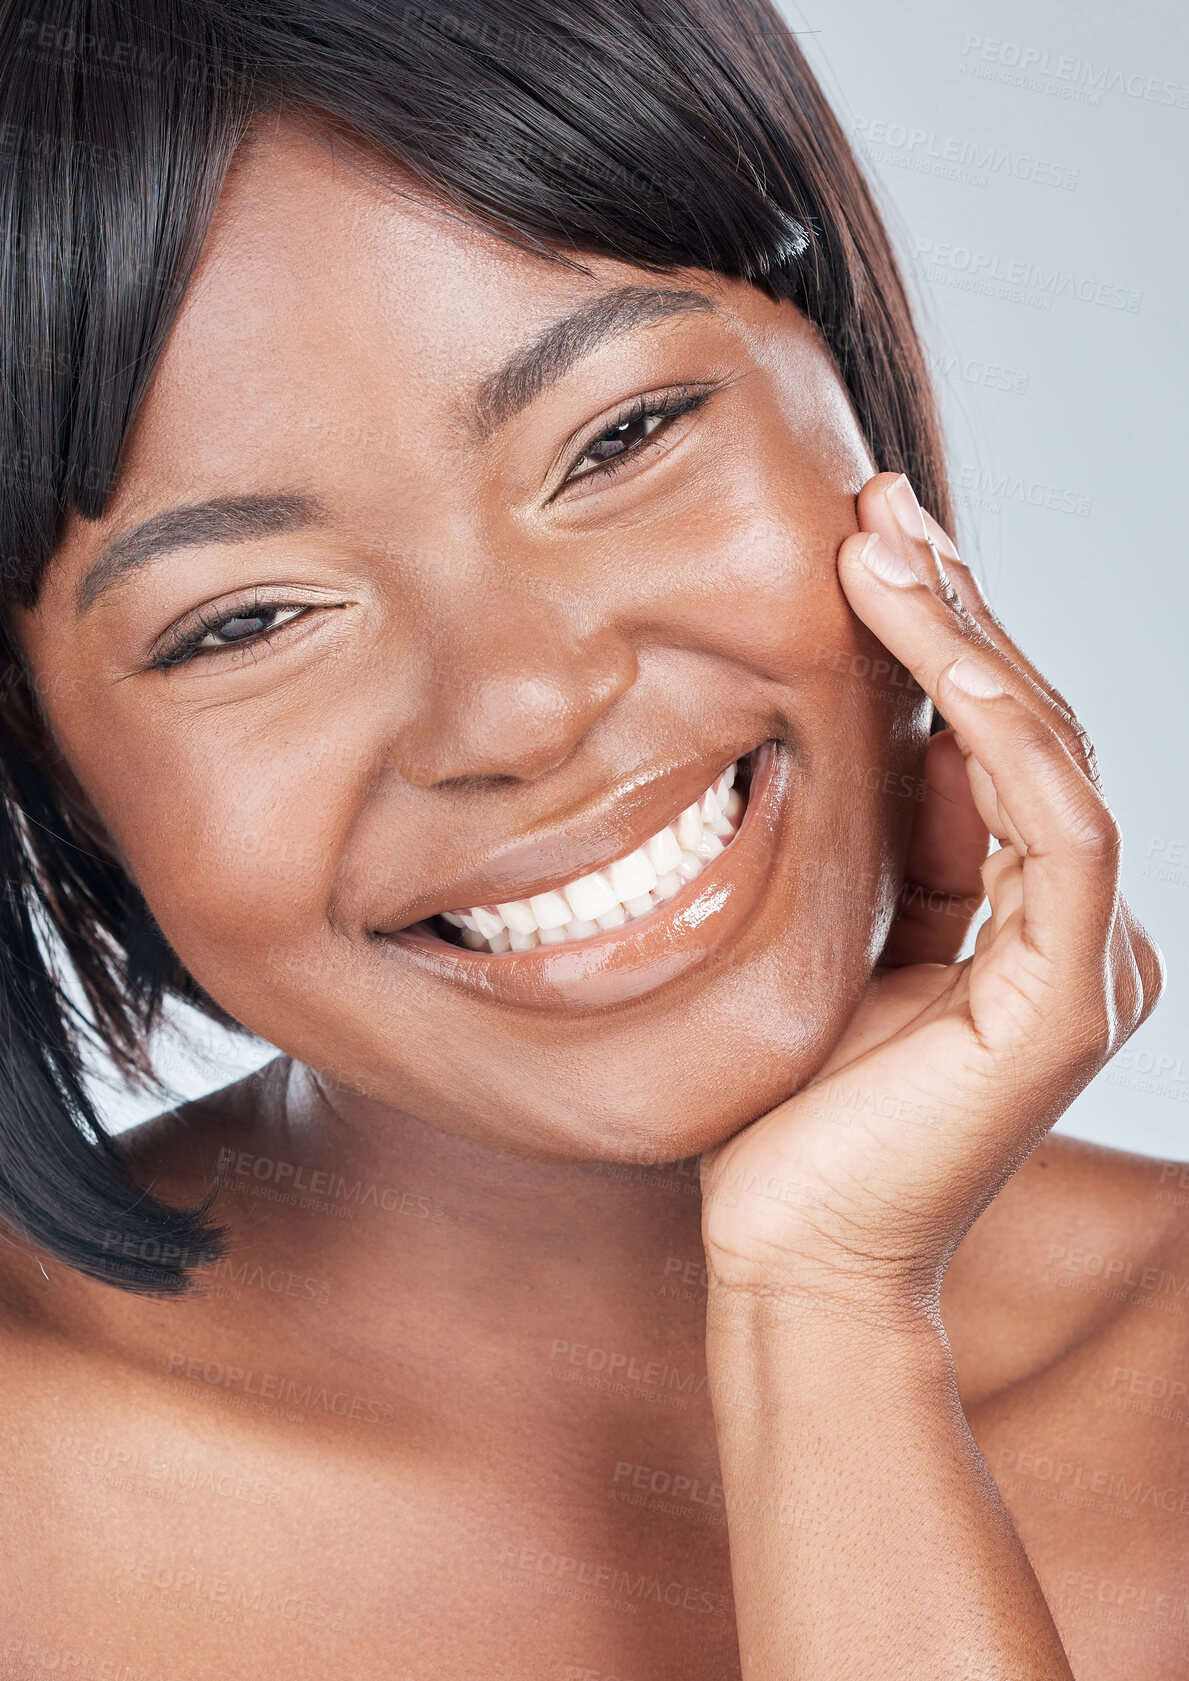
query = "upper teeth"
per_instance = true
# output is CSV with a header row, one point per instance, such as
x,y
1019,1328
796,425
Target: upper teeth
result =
x,y
629,887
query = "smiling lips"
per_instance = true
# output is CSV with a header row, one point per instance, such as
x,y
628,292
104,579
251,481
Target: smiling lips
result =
x,y
645,948
625,891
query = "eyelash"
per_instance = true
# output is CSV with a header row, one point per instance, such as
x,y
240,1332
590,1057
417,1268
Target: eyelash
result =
x,y
183,646
664,405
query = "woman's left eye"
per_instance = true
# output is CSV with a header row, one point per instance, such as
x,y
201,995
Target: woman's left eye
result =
x,y
629,435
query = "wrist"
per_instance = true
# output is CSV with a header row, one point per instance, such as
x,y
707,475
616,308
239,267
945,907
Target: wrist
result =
x,y
825,1285
769,1357
831,1310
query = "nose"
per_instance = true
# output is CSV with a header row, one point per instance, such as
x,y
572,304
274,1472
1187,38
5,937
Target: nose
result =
x,y
509,692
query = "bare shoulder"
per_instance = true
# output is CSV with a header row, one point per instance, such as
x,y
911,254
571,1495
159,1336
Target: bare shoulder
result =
x,y
1068,1311
1079,1239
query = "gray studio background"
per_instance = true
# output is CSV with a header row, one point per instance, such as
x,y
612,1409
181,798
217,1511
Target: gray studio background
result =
x,y
1031,158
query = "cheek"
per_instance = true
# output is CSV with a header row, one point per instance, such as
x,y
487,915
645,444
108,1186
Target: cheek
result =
x,y
232,838
751,577
748,569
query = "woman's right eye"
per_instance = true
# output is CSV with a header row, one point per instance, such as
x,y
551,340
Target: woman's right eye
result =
x,y
246,624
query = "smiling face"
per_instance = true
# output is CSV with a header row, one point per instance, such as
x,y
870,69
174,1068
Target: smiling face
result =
x,y
440,576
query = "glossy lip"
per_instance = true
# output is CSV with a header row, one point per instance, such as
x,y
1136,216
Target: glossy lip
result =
x,y
703,920
573,845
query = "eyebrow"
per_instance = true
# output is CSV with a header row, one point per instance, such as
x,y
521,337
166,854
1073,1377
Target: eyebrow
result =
x,y
512,387
552,354
224,519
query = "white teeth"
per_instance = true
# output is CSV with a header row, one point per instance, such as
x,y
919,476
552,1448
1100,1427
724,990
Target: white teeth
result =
x,y
663,851
519,918
690,866
632,876
689,828
712,815
550,910
631,887
590,896
486,921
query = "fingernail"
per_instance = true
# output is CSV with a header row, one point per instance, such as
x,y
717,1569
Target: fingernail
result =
x,y
907,510
881,558
974,679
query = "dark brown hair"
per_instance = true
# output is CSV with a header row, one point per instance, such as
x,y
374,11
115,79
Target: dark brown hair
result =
x,y
665,133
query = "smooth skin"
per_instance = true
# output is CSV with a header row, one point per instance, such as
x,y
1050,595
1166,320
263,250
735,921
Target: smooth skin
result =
x,y
494,1357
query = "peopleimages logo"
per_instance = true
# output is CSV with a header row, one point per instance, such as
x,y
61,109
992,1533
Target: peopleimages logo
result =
x,y
295,1184
974,162
275,1386
950,365
1018,279
1024,66
984,488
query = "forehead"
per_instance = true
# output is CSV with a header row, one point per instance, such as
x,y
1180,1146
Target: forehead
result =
x,y
331,303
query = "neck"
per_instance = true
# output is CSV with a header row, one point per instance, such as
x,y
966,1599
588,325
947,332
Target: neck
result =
x,y
433,1247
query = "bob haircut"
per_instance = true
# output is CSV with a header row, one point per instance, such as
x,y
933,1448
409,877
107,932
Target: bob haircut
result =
x,y
664,133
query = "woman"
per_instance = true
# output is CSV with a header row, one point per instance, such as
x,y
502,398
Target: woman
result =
x,y
471,620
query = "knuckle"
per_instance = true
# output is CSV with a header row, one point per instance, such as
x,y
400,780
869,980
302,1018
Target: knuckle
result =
x,y
1151,995
1092,834
960,574
1151,969
1092,1036
1084,748
1099,1034
1062,705
949,596
1099,1029
1136,974
1036,743
1128,995
1074,734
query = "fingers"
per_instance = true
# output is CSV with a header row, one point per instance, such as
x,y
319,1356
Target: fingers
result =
x,y
1138,969
970,593
1053,889
1003,878
1048,953
887,504
1058,931
943,887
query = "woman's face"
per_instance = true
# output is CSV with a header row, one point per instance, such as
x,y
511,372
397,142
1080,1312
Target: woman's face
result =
x,y
494,667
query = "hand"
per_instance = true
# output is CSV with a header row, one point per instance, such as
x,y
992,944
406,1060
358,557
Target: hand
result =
x,y
862,1185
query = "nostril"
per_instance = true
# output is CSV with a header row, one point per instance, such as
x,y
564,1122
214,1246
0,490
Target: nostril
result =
x,y
474,784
